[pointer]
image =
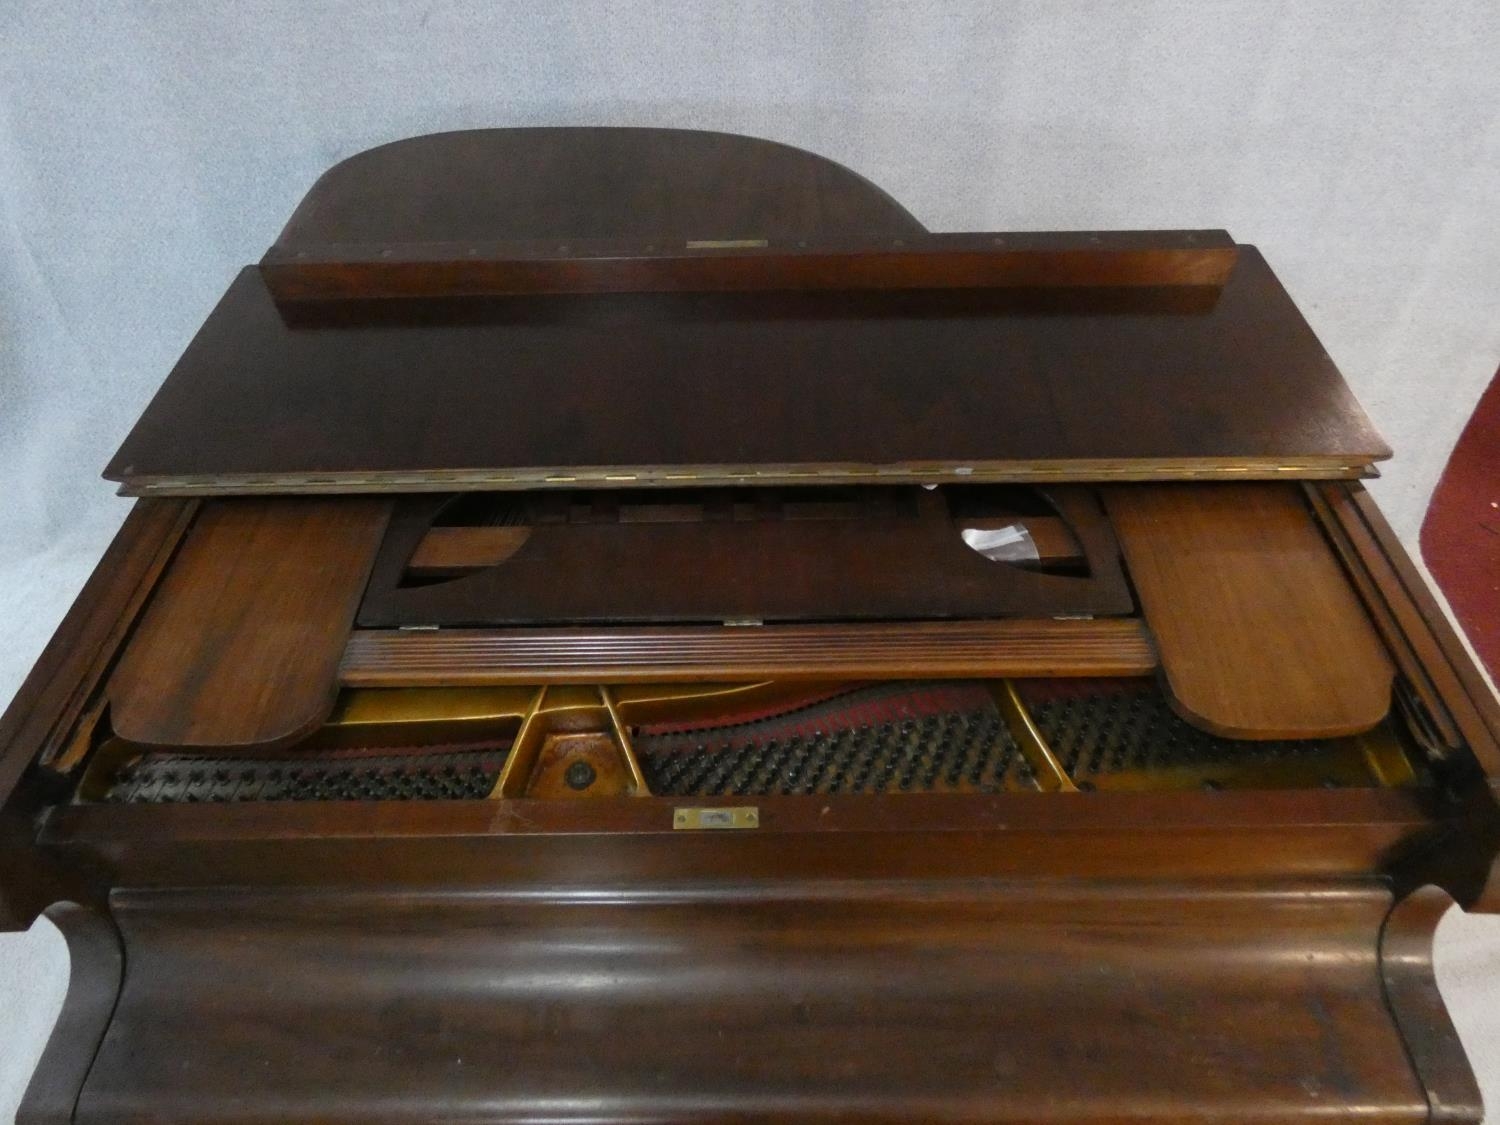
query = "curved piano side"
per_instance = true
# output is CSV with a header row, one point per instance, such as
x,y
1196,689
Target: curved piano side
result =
x,y
96,960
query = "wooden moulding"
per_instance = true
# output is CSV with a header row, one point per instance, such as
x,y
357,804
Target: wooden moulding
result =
x,y
1412,613
1362,570
40,720
1104,259
1461,706
416,658
702,475
1260,633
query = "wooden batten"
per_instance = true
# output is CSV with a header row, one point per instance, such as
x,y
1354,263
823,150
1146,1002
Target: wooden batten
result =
x,y
1101,260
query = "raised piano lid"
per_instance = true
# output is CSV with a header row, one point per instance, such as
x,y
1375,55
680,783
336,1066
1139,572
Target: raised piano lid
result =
x,y
1023,378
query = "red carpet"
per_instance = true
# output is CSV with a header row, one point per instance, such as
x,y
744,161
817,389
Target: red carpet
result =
x,y
1461,534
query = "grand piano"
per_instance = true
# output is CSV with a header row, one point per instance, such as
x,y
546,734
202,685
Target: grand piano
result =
x,y
625,625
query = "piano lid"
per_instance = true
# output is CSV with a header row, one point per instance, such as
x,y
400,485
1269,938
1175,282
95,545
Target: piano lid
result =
x,y
812,335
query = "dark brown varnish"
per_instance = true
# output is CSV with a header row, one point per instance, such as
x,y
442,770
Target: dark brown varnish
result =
x,y
618,390
1106,260
886,1000
1164,956
898,562
584,184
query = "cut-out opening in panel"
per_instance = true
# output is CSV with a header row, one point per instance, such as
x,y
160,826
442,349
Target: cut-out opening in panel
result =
x,y
812,553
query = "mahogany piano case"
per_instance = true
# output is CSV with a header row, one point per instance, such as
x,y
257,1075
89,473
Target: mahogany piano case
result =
x,y
625,625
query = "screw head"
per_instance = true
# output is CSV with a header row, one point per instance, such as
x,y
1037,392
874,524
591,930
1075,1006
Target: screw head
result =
x,y
580,775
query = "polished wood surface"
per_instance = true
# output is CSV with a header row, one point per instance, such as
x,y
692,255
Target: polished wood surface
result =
x,y
241,643
1167,955
1333,510
566,852
657,390
414,658
899,555
96,969
40,719
1259,631
445,551
632,390
784,1000
449,551
1411,990
1457,696
1242,836
1458,682
520,185
1027,260
61,692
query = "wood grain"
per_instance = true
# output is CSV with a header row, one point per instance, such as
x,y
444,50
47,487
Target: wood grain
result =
x,y
241,642
1246,836
412,658
1163,957
580,184
744,388
1461,684
449,550
895,563
1446,679
1332,509
96,969
1106,259
39,721
445,551
1411,991
1260,633
885,387
789,1000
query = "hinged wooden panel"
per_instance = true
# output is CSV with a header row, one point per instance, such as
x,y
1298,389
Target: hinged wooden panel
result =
x,y
241,643
1260,633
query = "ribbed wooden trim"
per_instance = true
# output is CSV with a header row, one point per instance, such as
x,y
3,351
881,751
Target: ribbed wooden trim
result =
x,y
399,658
